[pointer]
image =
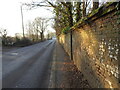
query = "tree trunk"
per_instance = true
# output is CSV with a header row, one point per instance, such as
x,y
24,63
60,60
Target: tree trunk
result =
x,y
95,5
78,11
42,36
70,14
84,9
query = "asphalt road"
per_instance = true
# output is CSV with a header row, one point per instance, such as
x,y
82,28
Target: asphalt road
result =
x,y
28,67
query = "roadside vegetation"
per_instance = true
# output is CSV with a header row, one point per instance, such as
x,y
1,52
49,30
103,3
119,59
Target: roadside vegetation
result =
x,y
69,13
34,34
67,16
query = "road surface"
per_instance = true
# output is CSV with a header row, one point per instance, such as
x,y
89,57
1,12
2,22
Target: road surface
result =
x,y
28,67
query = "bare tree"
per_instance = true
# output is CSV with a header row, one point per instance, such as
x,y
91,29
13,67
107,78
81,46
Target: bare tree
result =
x,y
30,30
37,28
3,33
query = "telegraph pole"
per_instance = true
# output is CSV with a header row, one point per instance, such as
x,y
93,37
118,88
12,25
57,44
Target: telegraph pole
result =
x,y
22,21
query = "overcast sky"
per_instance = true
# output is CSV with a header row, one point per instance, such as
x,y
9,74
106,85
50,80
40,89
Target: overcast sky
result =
x,y
10,15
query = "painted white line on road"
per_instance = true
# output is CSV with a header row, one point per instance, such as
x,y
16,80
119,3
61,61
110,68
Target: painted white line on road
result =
x,y
52,74
14,53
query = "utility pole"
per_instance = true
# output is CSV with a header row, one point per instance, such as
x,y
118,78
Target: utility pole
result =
x,y
22,21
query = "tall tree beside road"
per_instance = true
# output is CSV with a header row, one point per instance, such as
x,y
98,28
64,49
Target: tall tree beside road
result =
x,y
40,26
37,28
31,31
66,13
78,11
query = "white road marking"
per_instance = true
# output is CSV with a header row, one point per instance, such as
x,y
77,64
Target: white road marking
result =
x,y
14,53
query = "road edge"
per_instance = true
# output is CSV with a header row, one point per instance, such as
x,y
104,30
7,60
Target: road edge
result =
x,y
52,73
